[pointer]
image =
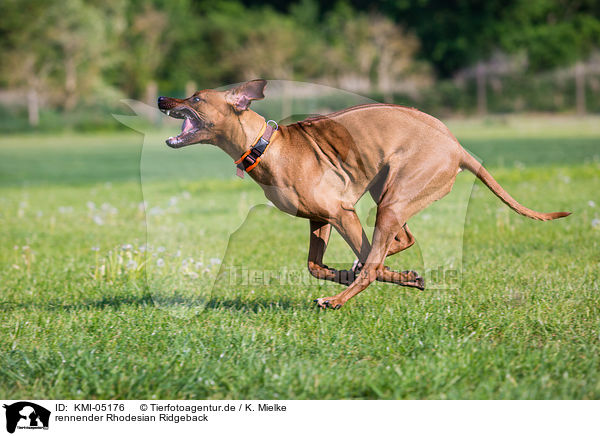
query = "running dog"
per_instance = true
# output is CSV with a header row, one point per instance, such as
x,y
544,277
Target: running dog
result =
x,y
320,167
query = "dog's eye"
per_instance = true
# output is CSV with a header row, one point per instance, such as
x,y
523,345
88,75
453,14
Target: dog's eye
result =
x,y
196,99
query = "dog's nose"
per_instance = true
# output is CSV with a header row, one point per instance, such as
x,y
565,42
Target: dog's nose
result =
x,y
163,102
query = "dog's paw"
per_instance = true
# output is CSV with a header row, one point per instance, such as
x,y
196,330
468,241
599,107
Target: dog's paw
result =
x,y
328,303
414,279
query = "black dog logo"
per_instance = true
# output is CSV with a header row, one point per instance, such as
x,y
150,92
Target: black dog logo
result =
x,y
30,413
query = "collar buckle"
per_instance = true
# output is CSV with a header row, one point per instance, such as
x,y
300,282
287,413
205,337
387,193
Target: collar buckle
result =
x,y
251,157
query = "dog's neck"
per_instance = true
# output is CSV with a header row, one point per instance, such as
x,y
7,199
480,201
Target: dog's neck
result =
x,y
241,133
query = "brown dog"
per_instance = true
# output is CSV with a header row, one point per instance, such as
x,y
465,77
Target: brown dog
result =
x,y
320,167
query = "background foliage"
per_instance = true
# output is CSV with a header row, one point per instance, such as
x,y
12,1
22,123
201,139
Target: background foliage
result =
x,y
69,62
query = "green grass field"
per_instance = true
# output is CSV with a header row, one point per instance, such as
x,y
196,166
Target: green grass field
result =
x,y
79,319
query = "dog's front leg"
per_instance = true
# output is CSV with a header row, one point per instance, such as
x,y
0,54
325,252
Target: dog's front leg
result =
x,y
385,230
319,237
348,225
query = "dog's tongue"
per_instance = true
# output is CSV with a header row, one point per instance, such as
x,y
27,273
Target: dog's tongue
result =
x,y
187,125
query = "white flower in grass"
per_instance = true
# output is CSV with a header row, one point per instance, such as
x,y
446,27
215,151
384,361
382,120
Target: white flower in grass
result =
x,y
215,261
142,248
91,205
108,208
40,214
596,223
184,263
132,264
95,248
98,220
565,179
155,211
160,263
186,195
178,253
126,247
172,201
161,249
591,203
199,265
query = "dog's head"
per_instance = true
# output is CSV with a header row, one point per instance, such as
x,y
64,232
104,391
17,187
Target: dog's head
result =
x,y
207,113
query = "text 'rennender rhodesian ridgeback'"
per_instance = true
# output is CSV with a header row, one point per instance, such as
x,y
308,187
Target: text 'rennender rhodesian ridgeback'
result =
x,y
320,167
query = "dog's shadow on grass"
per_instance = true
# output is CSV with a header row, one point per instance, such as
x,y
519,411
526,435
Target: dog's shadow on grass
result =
x,y
112,301
254,305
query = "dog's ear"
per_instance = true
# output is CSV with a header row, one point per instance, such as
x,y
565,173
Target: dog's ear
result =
x,y
241,96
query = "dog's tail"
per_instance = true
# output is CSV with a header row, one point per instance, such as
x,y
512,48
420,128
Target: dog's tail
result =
x,y
470,163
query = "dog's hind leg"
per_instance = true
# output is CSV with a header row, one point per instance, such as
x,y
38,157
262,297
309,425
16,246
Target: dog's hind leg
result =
x,y
403,240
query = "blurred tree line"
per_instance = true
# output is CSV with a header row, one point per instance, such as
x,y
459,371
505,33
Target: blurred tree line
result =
x,y
76,56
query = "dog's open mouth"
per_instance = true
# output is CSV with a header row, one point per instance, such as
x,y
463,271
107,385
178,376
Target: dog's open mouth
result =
x,y
191,124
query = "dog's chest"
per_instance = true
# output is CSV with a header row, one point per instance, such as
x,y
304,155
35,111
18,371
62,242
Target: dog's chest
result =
x,y
284,198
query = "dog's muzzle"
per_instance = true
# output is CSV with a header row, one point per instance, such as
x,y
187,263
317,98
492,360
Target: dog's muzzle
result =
x,y
191,121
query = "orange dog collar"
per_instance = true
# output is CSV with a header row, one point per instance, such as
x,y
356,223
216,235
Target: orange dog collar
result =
x,y
248,161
